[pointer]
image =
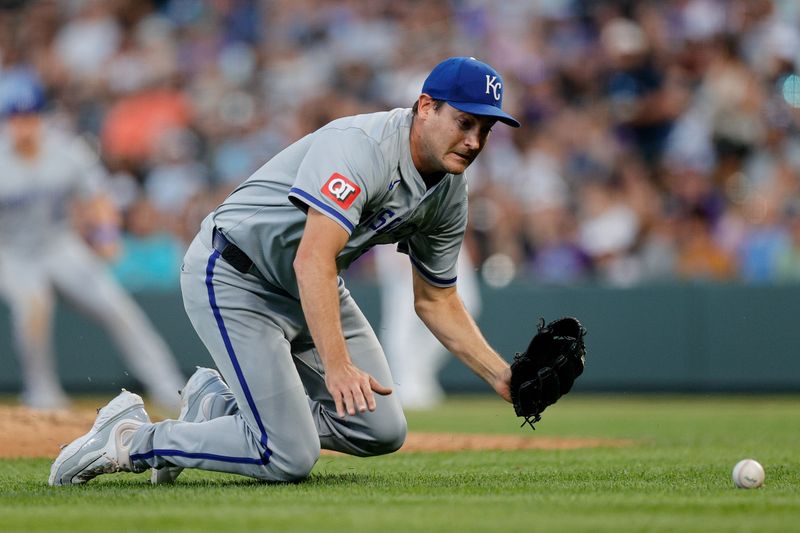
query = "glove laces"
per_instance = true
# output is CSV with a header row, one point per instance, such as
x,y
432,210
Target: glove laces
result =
x,y
531,420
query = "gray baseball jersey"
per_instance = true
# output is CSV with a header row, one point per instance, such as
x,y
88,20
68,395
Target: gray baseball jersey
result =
x,y
41,254
358,171
35,194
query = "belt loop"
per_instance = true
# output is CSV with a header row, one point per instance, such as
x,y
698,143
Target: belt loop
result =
x,y
230,252
218,241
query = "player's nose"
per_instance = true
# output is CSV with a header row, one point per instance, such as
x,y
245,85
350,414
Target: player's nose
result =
x,y
472,140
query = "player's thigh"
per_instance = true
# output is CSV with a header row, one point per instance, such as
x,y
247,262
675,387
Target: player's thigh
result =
x,y
27,291
362,344
86,282
387,423
233,318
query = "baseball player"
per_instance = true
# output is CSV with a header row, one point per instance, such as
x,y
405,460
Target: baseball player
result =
x,y
415,356
45,172
302,367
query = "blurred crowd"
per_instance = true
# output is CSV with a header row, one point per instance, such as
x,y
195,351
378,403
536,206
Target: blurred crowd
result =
x,y
660,139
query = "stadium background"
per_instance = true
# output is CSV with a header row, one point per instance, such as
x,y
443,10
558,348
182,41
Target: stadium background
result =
x,y
653,189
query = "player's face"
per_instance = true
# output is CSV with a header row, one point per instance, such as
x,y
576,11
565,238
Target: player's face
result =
x,y
452,139
24,129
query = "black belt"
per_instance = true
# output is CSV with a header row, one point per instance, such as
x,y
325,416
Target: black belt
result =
x,y
231,253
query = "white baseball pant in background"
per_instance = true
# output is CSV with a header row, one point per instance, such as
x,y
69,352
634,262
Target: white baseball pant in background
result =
x,y
415,355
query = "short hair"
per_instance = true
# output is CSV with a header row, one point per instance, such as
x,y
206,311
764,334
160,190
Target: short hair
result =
x,y
436,105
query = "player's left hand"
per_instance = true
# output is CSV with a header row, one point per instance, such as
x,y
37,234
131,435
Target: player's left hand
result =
x,y
502,385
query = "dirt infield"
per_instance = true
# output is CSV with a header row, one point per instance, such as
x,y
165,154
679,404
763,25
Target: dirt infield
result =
x,y
29,433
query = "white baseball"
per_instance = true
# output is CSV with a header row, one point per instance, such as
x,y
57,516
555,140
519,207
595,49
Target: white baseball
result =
x,y
748,474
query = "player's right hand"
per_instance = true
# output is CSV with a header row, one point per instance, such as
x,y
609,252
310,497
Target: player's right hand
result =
x,y
352,389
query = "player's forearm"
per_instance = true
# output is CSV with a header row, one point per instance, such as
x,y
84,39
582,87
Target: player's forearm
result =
x,y
450,322
317,280
97,220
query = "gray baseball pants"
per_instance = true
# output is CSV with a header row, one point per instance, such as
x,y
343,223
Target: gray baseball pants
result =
x,y
284,413
68,267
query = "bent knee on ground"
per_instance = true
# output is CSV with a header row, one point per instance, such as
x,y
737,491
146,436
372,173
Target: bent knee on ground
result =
x,y
292,465
387,436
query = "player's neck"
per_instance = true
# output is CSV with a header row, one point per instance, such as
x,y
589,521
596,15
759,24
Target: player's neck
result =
x,y
432,179
27,149
421,163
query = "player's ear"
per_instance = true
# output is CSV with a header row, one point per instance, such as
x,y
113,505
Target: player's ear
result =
x,y
425,106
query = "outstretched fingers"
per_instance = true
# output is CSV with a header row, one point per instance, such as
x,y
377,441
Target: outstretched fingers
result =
x,y
359,397
367,388
349,402
377,387
352,390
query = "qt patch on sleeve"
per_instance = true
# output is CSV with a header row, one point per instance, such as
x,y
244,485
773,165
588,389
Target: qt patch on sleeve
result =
x,y
341,190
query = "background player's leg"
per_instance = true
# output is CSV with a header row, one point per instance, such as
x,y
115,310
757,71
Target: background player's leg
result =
x,y
272,437
31,302
86,282
371,433
414,354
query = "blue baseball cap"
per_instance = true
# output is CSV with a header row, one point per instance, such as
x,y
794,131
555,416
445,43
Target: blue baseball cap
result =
x,y
21,93
470,86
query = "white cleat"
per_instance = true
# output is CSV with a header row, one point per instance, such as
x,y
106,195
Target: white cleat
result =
x,y
105,449
197,398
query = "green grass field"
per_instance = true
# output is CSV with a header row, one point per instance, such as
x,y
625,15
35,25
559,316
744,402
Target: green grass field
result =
x,y
676,477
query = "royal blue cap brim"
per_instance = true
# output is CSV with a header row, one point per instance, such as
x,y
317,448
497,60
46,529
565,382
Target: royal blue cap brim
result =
x,y
486,110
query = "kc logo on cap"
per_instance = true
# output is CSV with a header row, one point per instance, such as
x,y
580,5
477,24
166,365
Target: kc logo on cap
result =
x,y
494,85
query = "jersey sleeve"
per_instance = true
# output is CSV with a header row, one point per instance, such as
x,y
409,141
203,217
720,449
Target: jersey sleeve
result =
x,y
340,172
435,254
